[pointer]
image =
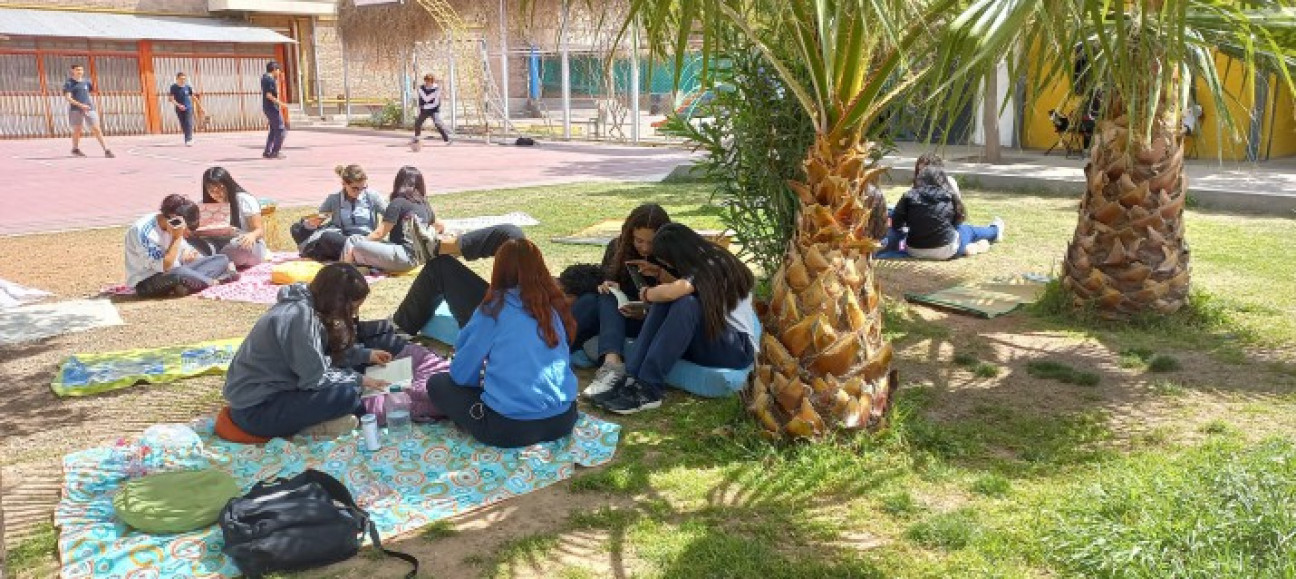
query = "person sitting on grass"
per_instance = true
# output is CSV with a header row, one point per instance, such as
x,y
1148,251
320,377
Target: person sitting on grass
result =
x,y
390,247
300,369
446,279
510,383
936,217
597,313
705,316
354,210
159,262
248,247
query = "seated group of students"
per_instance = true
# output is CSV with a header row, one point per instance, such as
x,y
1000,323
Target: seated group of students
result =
x,y
510,382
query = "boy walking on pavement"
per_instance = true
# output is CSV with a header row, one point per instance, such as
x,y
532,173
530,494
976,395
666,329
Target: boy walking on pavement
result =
x,y
429,96
272,107
183,98
81,110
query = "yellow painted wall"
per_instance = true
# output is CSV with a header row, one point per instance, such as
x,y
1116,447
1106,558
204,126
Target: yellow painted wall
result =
x,y
1212,141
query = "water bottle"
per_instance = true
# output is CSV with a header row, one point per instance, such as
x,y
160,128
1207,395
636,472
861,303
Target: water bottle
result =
x,y
398,405
369,426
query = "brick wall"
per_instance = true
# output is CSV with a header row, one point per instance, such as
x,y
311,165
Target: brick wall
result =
x,y
176,7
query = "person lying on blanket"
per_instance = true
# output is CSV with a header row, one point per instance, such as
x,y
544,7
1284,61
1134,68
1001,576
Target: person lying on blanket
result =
x,y
705,316
510,383
300,370
399,243
354,210
597,313
935,217
246,245
160,262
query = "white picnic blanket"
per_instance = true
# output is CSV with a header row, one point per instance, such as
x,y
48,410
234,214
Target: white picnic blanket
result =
x,y
465,224
13,295
34,322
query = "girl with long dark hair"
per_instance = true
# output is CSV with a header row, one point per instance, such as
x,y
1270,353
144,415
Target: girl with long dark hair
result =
x,y
300,369
935,217
510,383
597,314
704,316
247,247
391,247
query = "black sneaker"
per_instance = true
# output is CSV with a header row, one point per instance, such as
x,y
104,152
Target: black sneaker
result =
x,y
634,397
77,153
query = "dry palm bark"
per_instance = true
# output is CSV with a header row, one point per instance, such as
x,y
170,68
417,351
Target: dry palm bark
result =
x,y
823,363
1129,255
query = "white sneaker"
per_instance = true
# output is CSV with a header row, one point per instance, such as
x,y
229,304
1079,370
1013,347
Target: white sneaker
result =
x,y
332,428
998,224
189,143
607,377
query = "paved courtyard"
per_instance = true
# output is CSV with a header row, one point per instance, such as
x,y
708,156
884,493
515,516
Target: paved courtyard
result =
x,y
46,189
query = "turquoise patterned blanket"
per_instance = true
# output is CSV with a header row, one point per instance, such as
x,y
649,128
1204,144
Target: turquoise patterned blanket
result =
x,y
433,473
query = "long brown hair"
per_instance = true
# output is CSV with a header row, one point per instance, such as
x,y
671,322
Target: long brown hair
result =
x,y
336,290
647,216
518,264
720,280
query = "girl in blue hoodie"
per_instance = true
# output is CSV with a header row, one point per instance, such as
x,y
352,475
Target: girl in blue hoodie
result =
x,y
298,369
510,383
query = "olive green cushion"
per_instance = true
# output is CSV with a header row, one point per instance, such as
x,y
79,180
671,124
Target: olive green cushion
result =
x,y
175,502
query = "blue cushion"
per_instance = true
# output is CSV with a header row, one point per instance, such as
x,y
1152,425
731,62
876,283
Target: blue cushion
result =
x,y
442,327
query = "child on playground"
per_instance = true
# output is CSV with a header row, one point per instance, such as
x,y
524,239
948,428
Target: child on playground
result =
x,y
597,313
300,369
510,383
159,262
704,316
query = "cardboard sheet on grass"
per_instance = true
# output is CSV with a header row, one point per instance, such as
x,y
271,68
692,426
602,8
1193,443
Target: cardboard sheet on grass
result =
x,y
14,295
435,472
987,299
34,322
86,374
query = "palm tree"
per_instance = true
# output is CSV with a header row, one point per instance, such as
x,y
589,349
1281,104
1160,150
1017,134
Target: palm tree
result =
x,y
823,362
1129,255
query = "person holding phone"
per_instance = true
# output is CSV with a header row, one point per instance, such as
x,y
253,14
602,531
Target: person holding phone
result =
x,y
598,314
159,262
248,247
391,246
704,316
353,210
300,369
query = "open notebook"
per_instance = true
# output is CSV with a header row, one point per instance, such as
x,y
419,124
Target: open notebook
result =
x,y
397,372
214,220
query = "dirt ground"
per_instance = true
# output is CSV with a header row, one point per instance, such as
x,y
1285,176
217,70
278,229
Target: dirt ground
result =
x,y
39,428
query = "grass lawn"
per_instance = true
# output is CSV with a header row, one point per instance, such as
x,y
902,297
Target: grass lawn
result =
x,y
1026,446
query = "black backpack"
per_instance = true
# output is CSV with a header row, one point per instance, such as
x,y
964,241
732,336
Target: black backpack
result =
x,y
294,524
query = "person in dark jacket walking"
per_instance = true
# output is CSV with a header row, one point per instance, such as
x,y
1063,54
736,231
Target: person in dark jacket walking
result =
x,y
935,215
429,101
271,105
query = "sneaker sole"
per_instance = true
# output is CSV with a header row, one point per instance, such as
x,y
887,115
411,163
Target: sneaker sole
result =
x,y
641,408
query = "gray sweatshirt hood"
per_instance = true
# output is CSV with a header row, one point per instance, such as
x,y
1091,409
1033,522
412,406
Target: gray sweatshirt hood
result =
x,y
296,292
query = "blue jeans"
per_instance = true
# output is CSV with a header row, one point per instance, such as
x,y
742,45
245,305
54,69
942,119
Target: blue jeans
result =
x,y
186,123
278,130
969,234
196,275
674,331
597,315
291,411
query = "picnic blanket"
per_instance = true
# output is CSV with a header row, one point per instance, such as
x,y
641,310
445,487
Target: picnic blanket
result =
x,y
254,285
465,224
85,374
435,472
34,322
988,299
13,295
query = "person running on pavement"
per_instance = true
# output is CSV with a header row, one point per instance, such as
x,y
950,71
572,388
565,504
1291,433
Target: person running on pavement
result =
x,y
81,111
429,97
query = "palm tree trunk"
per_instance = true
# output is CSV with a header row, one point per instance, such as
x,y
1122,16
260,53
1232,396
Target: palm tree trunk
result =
x,y
1129,255
823,363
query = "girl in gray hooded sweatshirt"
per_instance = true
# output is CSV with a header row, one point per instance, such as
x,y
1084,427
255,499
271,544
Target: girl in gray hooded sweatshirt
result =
x,y
299,366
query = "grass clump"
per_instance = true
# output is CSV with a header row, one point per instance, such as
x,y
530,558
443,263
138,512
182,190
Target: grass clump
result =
x,y
1135,358
1168,388
438,530
952,531
1164,363
899,504
37,549
985,370
991,486
965,359
1052,370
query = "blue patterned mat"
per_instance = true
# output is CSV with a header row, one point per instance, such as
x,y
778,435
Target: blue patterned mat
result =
x,y
435,472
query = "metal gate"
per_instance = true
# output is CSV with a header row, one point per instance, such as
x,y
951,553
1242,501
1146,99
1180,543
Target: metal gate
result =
x,y
226,79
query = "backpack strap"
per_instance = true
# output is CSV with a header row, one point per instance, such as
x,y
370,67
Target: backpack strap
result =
x,y
338,492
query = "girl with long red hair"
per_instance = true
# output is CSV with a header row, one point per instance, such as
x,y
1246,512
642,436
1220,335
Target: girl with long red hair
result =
x,y
511,383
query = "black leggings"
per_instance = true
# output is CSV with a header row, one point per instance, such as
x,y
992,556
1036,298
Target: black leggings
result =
x,y
436,121
464,406
445,278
